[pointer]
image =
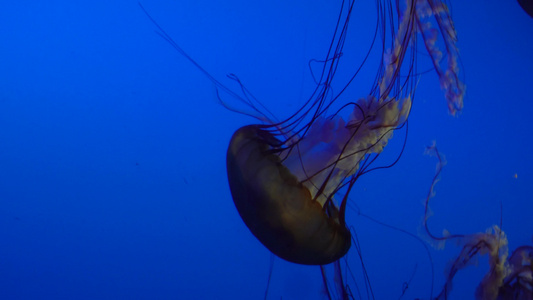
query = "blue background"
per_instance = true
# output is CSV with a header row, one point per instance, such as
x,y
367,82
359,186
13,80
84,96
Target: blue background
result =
x,y
112,148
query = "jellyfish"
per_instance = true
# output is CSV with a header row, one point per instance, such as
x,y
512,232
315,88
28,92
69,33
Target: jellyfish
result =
x,y
508,277
290,180
285,176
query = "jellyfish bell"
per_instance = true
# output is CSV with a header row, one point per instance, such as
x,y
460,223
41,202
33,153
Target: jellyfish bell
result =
x,y
277,208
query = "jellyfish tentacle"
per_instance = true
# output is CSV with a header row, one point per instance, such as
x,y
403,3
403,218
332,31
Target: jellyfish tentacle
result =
x,y
449,73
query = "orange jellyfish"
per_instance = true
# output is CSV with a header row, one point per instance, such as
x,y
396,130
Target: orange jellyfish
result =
x,y
284,176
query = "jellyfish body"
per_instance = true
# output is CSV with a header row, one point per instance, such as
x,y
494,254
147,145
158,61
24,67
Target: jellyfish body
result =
x,y
283,176
285,196
276,207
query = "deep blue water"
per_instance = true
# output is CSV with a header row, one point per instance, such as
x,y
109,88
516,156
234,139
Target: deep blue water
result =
x,y
112,148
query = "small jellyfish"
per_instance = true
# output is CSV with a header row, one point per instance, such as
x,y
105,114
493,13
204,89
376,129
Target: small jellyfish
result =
x,y
507,277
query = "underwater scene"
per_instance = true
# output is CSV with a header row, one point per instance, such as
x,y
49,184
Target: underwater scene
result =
x,y
322,149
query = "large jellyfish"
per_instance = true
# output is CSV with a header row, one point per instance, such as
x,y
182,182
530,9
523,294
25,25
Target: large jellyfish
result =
x,y
284,175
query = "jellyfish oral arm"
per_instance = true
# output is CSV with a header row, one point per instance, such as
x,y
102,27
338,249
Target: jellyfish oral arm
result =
x,y
333,148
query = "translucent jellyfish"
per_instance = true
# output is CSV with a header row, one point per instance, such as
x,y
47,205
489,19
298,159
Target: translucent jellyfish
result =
x,y
507,277
284,176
